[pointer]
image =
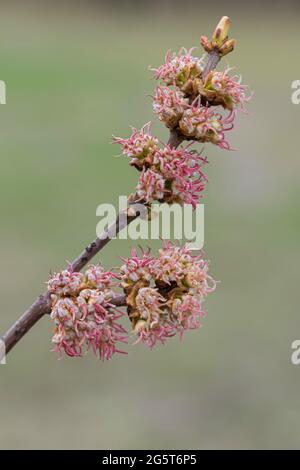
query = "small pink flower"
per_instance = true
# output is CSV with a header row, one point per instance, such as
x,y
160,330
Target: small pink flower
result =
x,y
205,125
187,313
151,186
178,264
169,105
175,176
152,322
69,334
182,170
173,263
66,282
136,268
178,68
139,146
197,278
230,88
83,317
158,333
148,302
103,332
96,277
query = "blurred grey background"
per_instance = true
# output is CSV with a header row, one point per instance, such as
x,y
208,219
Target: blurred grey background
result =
x,y
76,73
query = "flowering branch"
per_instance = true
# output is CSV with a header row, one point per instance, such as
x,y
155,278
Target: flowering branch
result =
x,y
42,305
163,296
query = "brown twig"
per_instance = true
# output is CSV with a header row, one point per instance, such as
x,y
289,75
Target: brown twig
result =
x,y
212,62
42,305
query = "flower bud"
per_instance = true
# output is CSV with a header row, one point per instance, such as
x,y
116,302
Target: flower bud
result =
x,y
227,47
219,42
221,32
206,44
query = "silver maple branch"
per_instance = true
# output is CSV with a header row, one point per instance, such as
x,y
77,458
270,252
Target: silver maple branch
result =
x,y
42,305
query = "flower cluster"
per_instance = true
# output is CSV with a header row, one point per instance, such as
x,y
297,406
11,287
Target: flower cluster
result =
x,y
169,105
199,106
183,102
164,296
221,89
202,124
165,293
167,174
83,315
139,147
179,69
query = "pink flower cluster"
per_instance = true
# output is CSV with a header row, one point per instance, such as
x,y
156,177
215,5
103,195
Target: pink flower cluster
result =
x,y
164,296
139,147
167,174
165,293
184,102
204,125
179,68
221,89
169,105
83,315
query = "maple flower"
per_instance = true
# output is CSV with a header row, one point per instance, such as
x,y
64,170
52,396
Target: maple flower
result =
x,y
103,332
179,69
148,302
221,89
157,332
169,105
205,125
139,147
84,317
186,313
177,264
150,318
166,298
136,268
151,186
175,176
96,277
182,170
67,282
68,335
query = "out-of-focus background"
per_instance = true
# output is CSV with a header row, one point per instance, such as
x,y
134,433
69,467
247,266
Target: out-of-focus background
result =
x,y
76,73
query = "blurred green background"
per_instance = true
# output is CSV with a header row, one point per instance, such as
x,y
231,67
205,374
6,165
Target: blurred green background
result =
x,y
76,73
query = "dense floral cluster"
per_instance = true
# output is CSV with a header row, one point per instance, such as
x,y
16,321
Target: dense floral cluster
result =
x,y
199,106
167,174
139,147
165,294
179,69
83,315
221,89
203,124
169,105
184,101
